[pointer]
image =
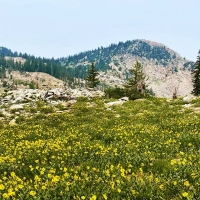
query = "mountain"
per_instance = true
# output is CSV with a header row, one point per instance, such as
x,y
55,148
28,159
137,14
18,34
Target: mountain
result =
x,y
165,68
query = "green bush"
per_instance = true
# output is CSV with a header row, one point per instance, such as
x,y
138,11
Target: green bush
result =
x,y
115,92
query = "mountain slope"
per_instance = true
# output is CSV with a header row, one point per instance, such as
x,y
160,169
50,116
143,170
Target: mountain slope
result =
x,y
165,69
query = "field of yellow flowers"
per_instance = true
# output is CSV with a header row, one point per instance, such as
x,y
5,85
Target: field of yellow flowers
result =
x,y
145,149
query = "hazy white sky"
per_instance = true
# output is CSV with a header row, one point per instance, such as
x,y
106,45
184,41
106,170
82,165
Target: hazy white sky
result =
x,y
58,28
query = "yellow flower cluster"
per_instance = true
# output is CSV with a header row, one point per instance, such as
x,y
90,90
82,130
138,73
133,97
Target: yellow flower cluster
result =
x,y
151,148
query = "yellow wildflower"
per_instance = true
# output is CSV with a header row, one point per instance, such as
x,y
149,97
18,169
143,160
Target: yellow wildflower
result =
x,y
186,183
133,192
43,187
55,179
112,184
185,194
105,196
6,196
32,193
94,197
161,186
2,187
175,182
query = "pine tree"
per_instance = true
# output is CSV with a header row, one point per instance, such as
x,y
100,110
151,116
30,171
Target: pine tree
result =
x,y
92,79
137,75
136,86
196,77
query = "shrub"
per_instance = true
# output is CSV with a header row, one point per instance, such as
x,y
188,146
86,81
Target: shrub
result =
x,y
115,92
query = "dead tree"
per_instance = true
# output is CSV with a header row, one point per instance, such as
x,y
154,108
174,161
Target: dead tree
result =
x,y
175,93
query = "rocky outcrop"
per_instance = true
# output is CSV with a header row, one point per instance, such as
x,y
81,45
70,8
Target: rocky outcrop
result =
x,y
25,95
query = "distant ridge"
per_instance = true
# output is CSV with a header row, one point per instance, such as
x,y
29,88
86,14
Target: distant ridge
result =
x,y
164,67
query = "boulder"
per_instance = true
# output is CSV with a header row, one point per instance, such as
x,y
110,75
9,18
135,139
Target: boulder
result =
x,y
12,122
16,107
114,103
186,99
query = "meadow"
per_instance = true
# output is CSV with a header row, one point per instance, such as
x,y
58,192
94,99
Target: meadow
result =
x,y
144,149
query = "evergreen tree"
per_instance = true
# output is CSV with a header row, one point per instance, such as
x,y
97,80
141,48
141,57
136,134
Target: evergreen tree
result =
x,y
137,75
196,77
92,79
136,86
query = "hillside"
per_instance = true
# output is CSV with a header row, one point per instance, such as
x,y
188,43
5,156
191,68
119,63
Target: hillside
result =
x,y
25,80
164,68
10,61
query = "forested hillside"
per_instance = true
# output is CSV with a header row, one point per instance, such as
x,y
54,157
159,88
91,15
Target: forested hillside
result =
x,y
116,54
24,62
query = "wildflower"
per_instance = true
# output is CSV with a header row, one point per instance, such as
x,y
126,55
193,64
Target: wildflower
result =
x,y
186,183
94,197
82,197
161,186
75,177
55,179
112,184
20,186
2,187
12,174
105,196
6,196
11,192
175,182
37,178
68,183
118,181
43,187
41,172
118,190
185,194
66,174
133,192
157,180
32,193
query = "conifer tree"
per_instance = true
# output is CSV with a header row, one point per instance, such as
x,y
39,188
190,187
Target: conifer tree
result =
x,y
137,75
136,86
196,77
92,79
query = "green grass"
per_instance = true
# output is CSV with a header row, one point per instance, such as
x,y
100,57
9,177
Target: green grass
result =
x,y
144,149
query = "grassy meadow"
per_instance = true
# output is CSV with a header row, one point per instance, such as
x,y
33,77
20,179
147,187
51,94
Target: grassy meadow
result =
x,y
144,149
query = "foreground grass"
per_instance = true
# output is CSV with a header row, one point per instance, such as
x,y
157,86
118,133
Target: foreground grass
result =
x,y
142,150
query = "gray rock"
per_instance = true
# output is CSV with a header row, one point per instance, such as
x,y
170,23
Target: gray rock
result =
x,y
114,103
186,99
17,107
12,122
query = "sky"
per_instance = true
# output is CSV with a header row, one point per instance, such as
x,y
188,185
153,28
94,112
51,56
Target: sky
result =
x,y
59,28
